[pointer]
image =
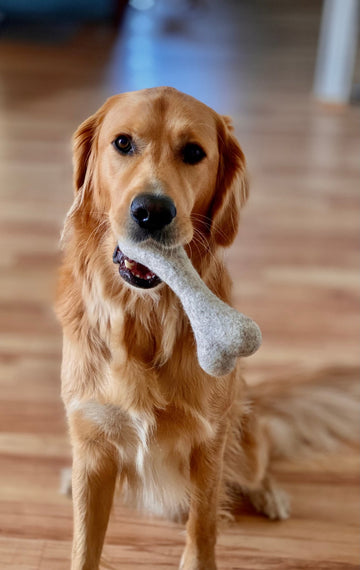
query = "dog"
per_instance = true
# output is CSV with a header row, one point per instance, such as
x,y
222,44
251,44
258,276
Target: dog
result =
x,y
159,165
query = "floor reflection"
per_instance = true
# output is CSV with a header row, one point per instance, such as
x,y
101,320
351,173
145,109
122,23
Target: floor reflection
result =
x,y
181,45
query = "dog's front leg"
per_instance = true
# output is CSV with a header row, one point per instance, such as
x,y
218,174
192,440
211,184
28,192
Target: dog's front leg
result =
x,y
93,483
206,475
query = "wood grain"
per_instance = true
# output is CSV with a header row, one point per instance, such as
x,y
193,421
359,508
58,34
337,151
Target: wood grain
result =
x,y
295,262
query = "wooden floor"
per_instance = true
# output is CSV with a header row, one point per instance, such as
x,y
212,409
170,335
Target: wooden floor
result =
x,y
295,262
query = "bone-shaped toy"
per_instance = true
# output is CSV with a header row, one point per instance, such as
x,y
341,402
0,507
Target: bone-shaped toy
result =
x,y
222,334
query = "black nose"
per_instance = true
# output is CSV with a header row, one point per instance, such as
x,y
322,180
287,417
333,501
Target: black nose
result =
x,y
152,212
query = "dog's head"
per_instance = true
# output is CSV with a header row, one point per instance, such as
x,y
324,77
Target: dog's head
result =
x,y
162,166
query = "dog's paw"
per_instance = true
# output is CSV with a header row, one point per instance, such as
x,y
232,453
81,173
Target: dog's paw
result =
x,y
270,501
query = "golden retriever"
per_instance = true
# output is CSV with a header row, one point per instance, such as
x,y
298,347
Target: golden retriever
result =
x,y
154,164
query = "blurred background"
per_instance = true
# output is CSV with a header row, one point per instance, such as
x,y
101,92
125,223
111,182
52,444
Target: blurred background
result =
x,y
287,72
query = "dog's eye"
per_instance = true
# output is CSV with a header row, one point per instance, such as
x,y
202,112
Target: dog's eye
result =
x,y
192,153
124,144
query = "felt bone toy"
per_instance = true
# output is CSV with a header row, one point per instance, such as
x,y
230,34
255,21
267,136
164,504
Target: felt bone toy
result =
x,y
222,334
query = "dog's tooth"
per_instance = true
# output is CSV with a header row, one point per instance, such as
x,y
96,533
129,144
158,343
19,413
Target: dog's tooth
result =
x,y
129,264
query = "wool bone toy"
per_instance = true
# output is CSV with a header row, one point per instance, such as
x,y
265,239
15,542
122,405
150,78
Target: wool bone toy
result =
x,y
222,334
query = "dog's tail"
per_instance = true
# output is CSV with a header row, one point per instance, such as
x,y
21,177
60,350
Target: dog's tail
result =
x,y
318,414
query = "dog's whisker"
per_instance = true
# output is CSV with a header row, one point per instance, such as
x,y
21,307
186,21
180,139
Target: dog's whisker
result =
x,y
204,244
208,222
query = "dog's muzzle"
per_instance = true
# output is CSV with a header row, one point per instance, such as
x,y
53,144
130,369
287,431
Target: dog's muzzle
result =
x,y
150,216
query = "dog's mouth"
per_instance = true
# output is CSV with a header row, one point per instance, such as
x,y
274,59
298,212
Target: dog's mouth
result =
x,y
135,273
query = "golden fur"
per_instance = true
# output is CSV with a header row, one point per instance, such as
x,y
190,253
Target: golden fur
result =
x,y
140,409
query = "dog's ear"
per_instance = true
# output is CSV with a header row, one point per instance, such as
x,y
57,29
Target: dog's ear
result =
x,y
83,166
83,152
231,189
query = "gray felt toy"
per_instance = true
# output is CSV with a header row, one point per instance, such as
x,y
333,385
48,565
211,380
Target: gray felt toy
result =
x,y
222,334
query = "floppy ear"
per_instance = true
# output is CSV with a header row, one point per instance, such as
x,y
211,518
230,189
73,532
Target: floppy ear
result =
x,y
231,189
84,147
83,159
83,166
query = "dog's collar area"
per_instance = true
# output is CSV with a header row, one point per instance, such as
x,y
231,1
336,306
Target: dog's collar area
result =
x,y
135,273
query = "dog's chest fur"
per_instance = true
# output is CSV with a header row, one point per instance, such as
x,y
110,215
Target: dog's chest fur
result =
x,y
153,451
